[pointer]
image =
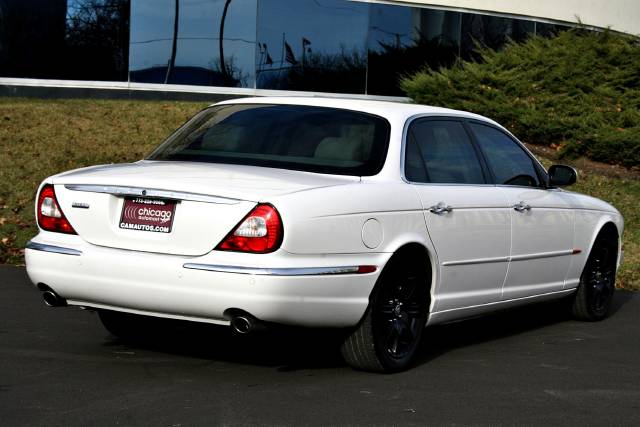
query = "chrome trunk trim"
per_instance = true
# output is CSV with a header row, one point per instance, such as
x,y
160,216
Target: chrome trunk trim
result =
x,y
122,191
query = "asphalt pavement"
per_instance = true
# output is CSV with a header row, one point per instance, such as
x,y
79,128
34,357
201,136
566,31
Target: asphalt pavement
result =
x,y
530,366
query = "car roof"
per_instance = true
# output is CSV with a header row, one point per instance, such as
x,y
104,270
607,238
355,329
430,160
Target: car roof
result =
x,y
387,109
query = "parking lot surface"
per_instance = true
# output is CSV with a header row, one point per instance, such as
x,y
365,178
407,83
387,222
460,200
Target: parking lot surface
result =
x,y
528,366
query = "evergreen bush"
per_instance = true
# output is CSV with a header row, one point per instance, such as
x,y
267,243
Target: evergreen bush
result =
x,y
579,91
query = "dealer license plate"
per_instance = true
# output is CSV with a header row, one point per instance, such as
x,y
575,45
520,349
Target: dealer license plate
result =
x,y
148,214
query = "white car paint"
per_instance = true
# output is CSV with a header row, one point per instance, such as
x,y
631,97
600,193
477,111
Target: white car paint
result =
x,y
484,254
238,189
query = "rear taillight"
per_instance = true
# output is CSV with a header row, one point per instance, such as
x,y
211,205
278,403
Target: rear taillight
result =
x,y
259,232
50,216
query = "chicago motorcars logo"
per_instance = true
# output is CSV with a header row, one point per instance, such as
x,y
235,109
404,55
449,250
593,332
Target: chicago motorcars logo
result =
x,y
147,215
137,213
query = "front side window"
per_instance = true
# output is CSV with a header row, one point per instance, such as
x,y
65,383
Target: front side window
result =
x,y
510,164
440,151
305,138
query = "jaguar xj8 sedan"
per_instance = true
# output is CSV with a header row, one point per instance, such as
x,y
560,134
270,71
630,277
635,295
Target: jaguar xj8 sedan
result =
x,y
375,218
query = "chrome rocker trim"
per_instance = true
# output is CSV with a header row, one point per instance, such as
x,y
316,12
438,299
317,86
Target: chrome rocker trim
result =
x,y
306,271
53,249
117,190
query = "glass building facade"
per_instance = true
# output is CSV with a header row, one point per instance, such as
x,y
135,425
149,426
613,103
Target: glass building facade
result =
x,y
336,46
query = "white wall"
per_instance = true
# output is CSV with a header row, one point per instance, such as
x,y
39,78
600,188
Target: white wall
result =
x,y
620,15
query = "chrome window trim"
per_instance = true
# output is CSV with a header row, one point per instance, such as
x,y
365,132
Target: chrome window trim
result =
x,y
403,149
463,119
303,271
123,191
52,249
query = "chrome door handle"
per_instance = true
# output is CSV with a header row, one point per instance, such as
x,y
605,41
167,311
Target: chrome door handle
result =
x,y
440,208
521,207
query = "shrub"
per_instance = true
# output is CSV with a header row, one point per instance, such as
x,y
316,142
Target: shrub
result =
x,y
579,91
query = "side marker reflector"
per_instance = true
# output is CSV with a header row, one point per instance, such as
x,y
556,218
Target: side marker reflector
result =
x,y
363,269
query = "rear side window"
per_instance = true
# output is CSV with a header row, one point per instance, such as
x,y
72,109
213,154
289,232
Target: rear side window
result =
x,y
510,164
440,151
313,139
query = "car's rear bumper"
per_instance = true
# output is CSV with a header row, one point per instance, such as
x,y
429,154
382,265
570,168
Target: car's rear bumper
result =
x,y
320,290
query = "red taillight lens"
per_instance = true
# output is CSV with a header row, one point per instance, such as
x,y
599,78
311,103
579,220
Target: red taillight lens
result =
x,y
259,232
50,216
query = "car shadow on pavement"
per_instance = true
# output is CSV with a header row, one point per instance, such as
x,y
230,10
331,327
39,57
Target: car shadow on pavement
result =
x,y
293,349
440,339
284,348
621,297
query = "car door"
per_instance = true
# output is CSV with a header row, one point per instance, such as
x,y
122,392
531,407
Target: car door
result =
x,y
541,219
466,217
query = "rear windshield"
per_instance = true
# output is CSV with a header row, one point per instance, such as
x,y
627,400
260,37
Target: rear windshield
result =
x,y
313,139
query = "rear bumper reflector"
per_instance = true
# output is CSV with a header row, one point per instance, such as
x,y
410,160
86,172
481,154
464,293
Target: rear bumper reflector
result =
x,y
53,249
295,271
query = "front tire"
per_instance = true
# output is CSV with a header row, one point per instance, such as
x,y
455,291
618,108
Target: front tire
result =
x,y
597,283
388,336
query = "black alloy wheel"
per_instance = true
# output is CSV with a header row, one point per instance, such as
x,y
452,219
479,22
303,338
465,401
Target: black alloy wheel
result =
x,y
388,336
399,316
597,283
600,280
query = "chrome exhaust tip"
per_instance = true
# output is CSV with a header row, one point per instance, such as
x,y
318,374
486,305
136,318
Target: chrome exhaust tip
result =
x,y
242,324
52,299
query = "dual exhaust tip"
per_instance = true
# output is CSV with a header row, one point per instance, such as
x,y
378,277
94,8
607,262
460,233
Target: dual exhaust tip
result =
x,y
245,323
241,323
52,299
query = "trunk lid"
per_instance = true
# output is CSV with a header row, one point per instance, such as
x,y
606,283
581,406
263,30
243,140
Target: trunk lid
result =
x,y
210,199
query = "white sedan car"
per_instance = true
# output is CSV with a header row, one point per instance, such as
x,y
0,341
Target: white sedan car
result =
x,y
379,218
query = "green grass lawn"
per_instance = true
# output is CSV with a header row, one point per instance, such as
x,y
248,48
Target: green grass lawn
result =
x,y
41,137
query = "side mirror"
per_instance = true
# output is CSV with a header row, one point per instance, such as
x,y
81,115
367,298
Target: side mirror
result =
x,y
562,176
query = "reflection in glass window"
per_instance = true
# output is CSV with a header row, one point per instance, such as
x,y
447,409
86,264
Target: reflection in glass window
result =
x,y
188,50
549,30
60,39
491,31
32,37
404,39
312,45
151,40
97,39
338,46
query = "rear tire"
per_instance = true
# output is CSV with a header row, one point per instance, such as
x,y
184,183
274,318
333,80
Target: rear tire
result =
x,y
388,336
592,301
